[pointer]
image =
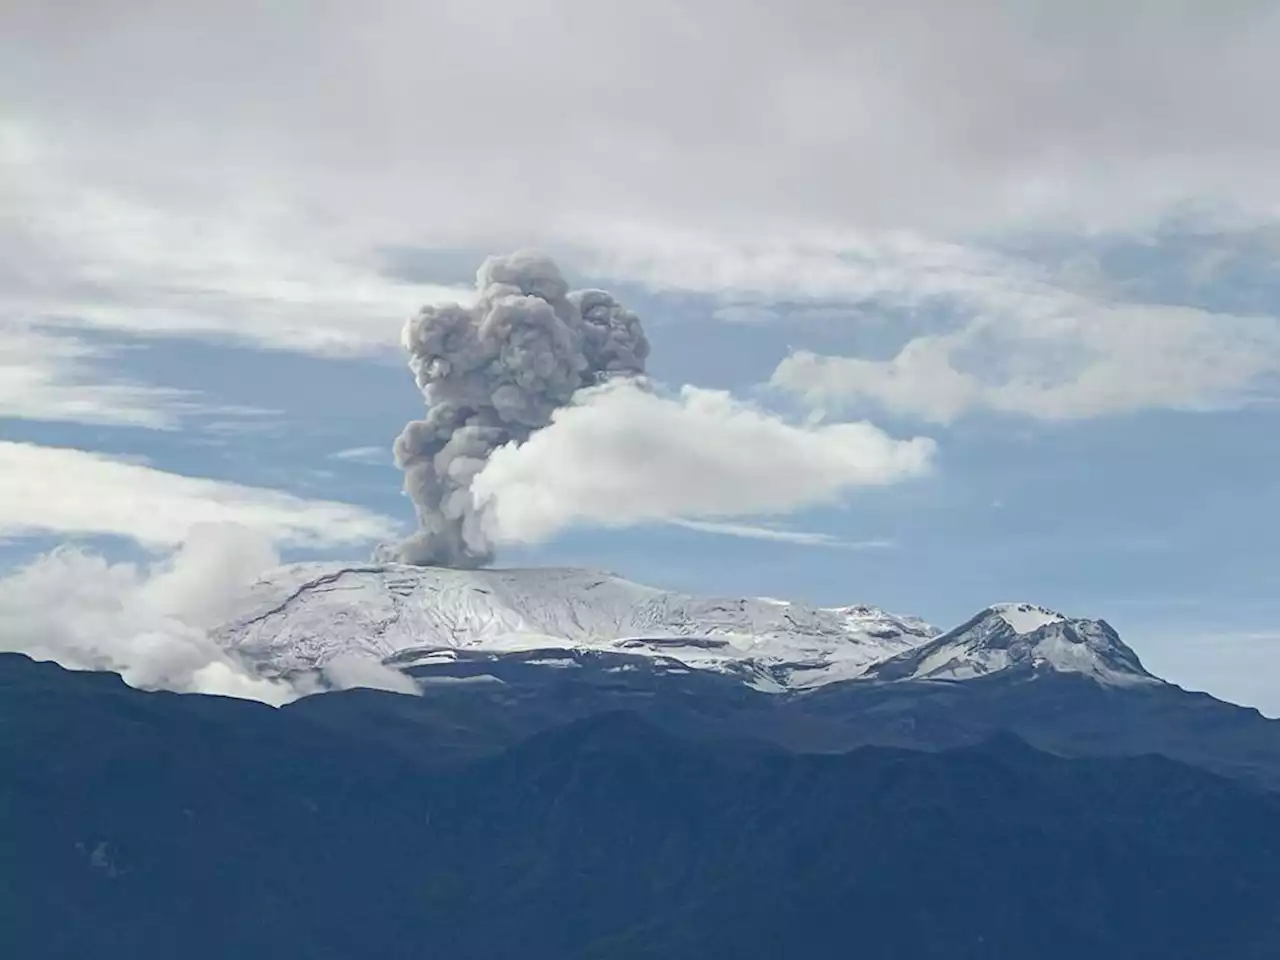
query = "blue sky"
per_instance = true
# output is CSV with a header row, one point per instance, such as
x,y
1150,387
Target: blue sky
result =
x,y
1078,310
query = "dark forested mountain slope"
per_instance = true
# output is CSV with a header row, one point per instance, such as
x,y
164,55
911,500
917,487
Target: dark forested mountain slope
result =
x,y
149,825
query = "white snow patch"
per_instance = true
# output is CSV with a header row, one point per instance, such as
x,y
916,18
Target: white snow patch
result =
x,y
302,616
560,662
1026,617
1022,637
436,656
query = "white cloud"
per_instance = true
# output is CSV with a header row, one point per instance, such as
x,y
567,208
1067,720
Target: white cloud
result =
x,y
71,492
826,167
155,624
149,624
189,213
756,532
1066,358
349,671
55,375
851,265
850,134
1010,336
247,268
622,455
931,115
47,376
374,456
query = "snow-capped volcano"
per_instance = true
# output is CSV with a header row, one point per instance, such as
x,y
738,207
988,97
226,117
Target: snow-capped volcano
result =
x,y
1020,639
304,616
307,616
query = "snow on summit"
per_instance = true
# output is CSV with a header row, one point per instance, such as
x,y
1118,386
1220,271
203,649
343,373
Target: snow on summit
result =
x,y
308,616
1025,617
1021,640
304,616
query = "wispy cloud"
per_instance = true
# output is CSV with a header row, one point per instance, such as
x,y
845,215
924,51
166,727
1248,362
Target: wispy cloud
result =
x,y
56,376
1008,335
779,535
69,492
991,331
252,269
374,456
53,374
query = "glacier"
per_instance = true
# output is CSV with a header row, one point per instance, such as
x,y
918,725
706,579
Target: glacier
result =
x,y
303,617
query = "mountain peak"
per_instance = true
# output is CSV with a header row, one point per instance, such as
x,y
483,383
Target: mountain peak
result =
x,y
304,617
1025,617
1021,640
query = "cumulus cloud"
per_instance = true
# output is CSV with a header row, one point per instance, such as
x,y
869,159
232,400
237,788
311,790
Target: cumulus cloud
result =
x,y
70,492
993,331
1066,358
623,454
539,417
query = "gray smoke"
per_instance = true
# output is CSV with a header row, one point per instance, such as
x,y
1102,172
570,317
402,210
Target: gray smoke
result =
x,y
492,374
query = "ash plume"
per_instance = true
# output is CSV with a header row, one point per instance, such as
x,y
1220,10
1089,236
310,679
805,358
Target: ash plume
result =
x,y
492,374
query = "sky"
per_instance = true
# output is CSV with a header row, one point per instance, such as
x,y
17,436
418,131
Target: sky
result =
x,y
949,304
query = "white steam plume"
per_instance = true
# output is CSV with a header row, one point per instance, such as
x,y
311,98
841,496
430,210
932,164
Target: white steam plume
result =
x,y
622,454
150,624
492,374
154,624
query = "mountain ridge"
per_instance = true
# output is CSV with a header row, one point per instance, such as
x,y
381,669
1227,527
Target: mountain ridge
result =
x,y
157,817
1023,640
302,616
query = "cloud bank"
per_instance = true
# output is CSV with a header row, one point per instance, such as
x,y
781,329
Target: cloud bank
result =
x,y
848,134
934,115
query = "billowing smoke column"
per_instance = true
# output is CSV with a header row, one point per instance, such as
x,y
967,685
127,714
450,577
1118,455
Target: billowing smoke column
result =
x,y
493,374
